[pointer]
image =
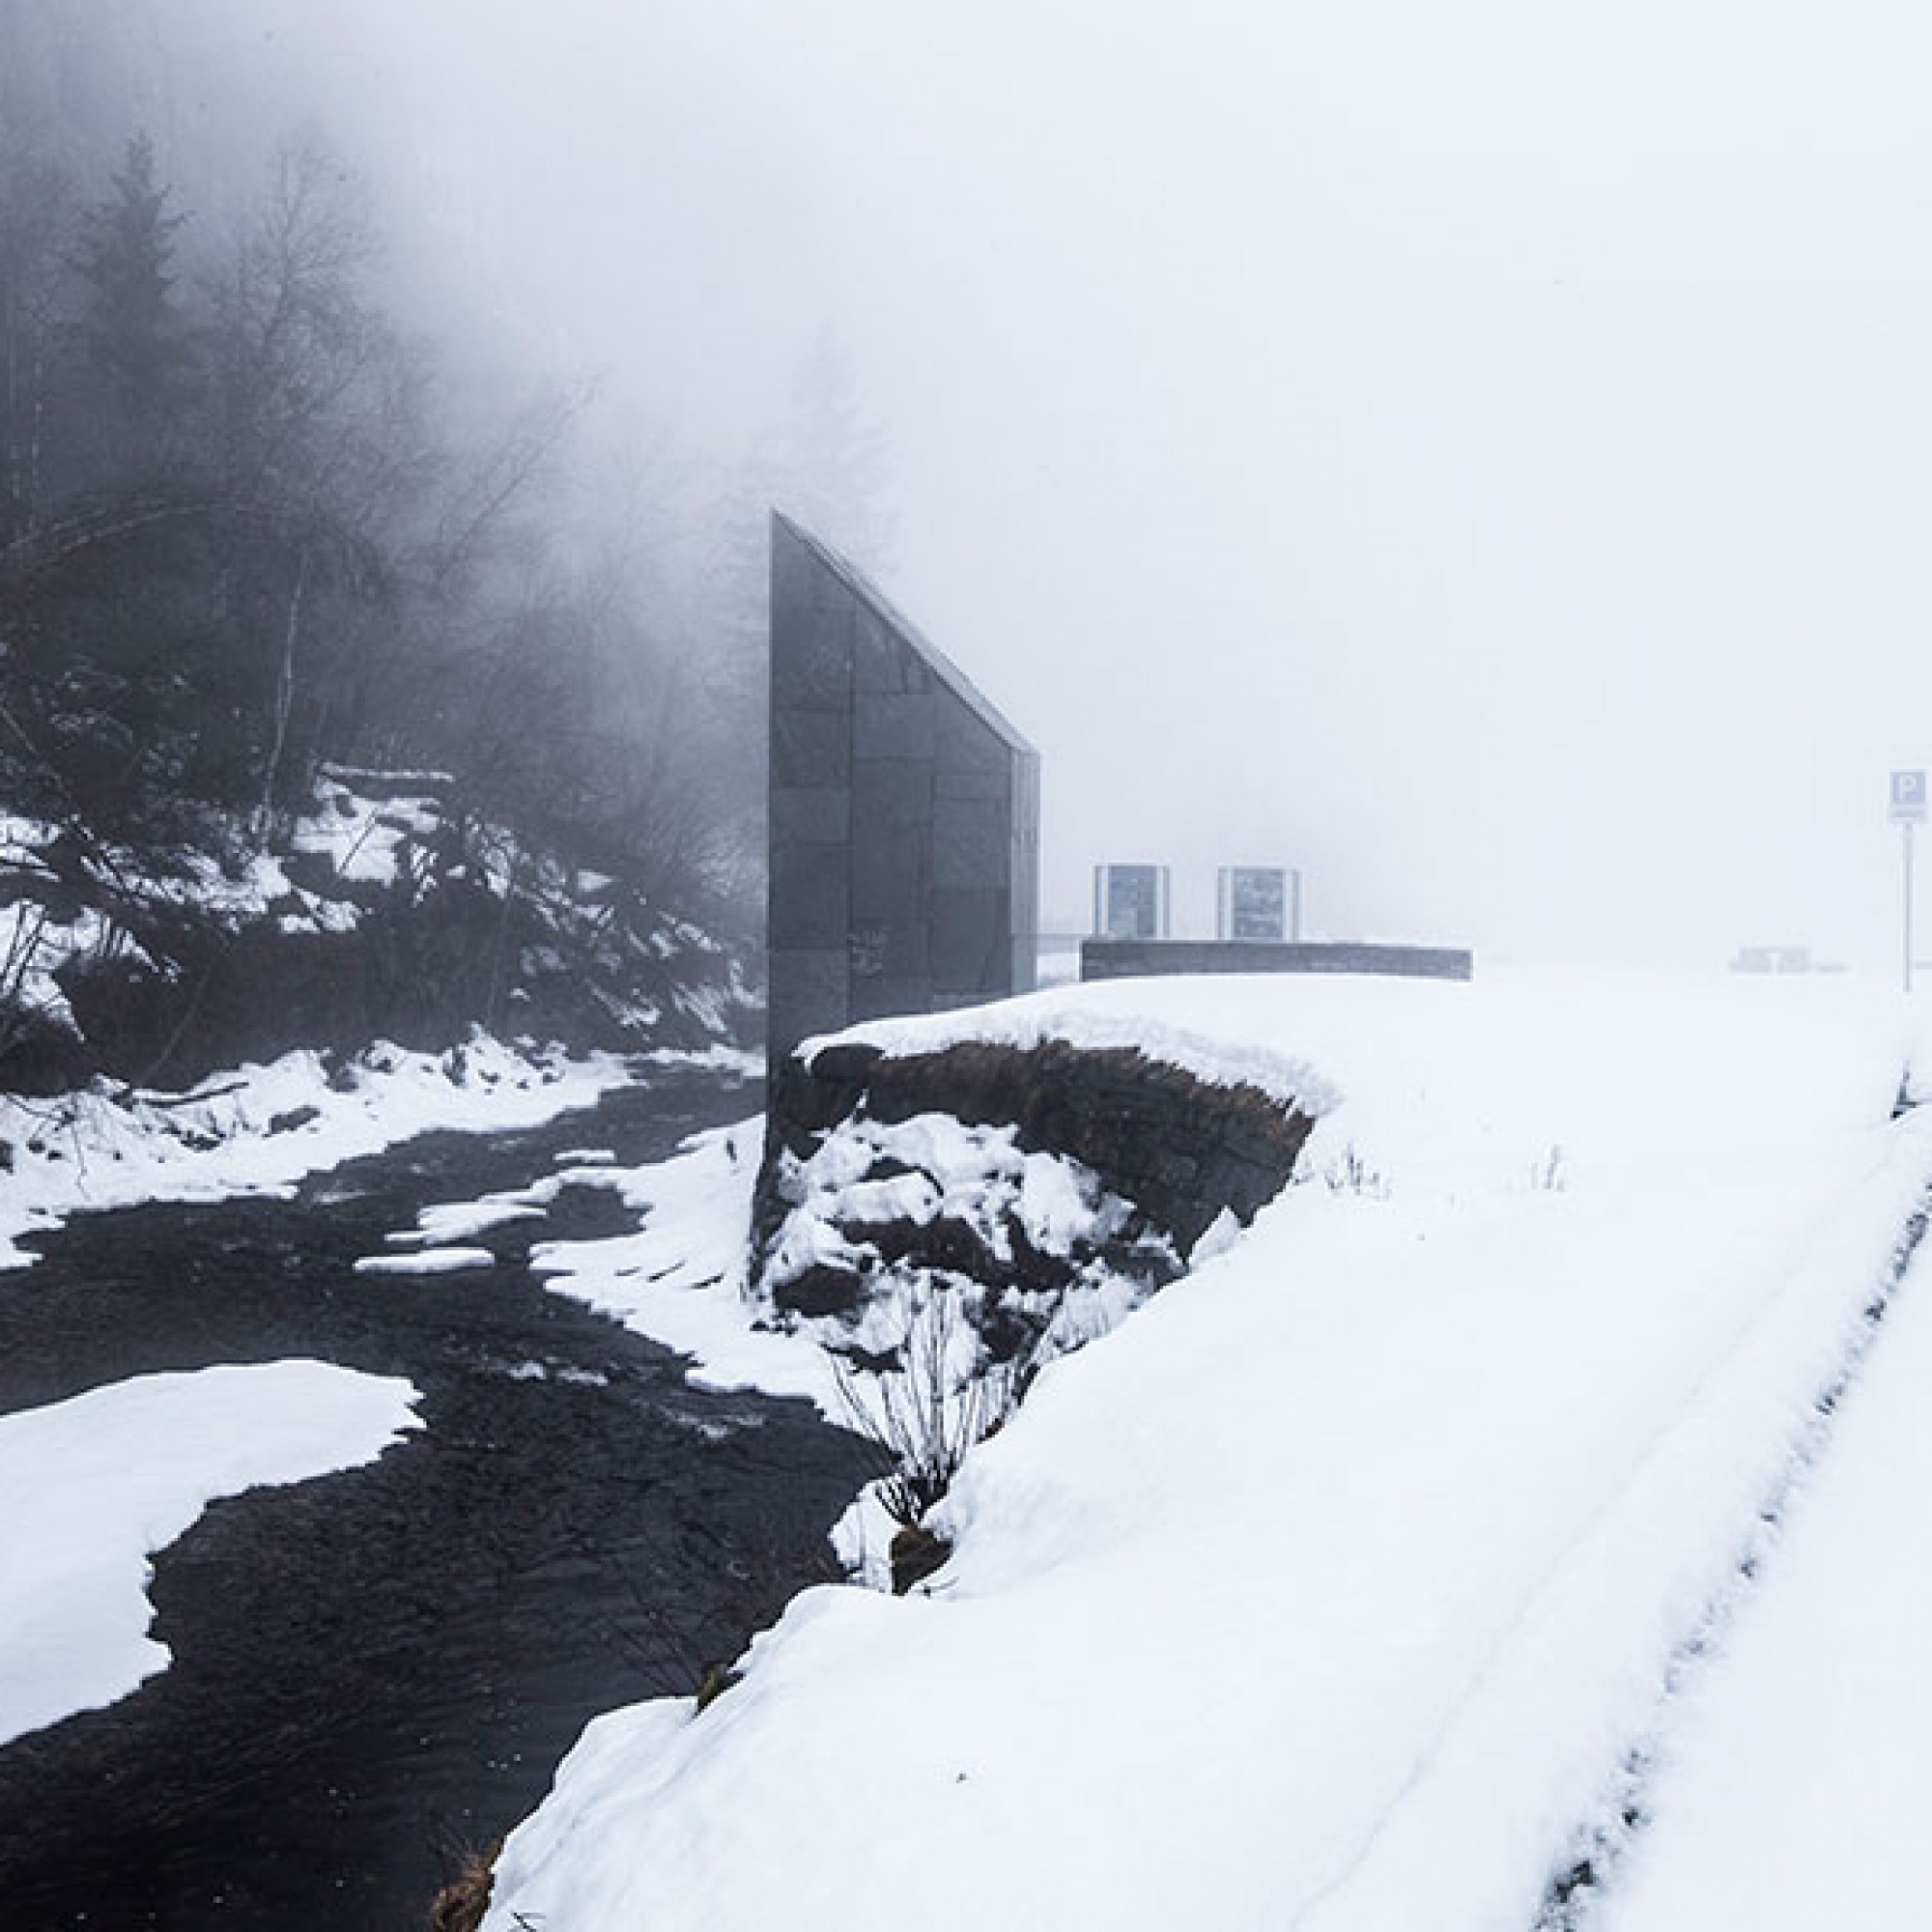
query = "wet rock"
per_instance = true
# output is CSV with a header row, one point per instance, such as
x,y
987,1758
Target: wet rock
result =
x,y
916,1553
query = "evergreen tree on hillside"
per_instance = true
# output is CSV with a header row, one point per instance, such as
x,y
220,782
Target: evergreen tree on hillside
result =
x,y
136,366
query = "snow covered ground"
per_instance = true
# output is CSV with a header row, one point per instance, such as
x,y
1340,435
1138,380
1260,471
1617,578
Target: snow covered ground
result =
x,y
1336,1588
259,1130
1793,1785
91,1487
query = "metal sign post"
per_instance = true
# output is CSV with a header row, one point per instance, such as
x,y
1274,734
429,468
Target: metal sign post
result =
x,y
1908,811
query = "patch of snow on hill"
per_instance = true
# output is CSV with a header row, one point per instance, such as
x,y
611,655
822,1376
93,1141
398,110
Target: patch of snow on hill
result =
x,y
367,840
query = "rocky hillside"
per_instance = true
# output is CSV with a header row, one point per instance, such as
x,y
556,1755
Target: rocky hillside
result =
x,y
381,909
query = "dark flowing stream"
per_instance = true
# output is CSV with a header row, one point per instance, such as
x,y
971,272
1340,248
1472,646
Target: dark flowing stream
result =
x,y
376,1671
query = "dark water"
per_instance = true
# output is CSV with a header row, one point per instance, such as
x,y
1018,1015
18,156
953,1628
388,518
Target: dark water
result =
x,y
378,1670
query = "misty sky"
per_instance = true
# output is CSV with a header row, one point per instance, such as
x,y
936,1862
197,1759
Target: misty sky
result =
x,y
1482,455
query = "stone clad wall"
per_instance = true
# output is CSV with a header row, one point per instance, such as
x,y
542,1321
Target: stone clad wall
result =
x,y
1180,1149
904,813
811,792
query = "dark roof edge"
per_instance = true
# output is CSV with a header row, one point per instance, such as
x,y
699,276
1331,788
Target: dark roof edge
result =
x,y
950,674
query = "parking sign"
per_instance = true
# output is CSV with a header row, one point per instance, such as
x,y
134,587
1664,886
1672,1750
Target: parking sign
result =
x,y
1908,797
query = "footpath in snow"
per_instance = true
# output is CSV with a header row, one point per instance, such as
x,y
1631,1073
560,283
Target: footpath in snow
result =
x,y
1332,1591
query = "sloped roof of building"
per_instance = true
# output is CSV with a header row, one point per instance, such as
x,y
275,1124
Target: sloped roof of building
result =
x,y
944,669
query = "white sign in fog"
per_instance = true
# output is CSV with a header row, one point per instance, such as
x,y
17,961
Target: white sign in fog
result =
x,y
1908,808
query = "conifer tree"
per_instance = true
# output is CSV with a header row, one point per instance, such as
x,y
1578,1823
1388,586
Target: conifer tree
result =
x,y
135,360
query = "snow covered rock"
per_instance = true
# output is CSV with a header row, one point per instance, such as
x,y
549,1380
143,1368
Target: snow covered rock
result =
x,y
946,1224
1180,1144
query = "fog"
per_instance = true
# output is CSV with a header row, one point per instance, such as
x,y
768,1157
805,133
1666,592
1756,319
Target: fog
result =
x,y
1477,456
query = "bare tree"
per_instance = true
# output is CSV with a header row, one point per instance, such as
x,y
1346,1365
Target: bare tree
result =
x,y
37,238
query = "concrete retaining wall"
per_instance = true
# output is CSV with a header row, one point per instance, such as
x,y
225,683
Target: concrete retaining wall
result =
x,y
1138,958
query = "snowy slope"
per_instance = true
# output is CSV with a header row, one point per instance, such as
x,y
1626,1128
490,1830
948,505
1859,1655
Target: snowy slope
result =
x,y
381,910
1332,1591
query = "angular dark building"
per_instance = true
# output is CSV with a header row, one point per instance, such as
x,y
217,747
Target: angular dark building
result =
x,y
904,813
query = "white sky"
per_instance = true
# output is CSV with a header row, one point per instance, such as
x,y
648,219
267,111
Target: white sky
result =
x,y
1481,455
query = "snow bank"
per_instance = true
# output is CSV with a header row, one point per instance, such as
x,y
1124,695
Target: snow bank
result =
x,y
1330,1590
680,1279
259,1129
1189,1032
455,1222
428,1261
90,1488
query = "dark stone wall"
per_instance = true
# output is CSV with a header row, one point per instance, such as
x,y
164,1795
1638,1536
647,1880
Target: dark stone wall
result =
x,y
904,813
1137,958
1179,1148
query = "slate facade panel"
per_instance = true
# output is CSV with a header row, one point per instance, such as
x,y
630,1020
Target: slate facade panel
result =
x,y
905,812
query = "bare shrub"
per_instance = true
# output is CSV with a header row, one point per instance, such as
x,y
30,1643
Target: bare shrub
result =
x,y
925,1412
1350,1172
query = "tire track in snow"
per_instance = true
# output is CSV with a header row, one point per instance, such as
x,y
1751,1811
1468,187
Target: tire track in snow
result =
x,y
1600,1843
1597,1838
